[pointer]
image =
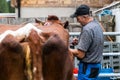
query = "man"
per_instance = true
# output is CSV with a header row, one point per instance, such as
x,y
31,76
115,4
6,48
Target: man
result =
x,y
90,44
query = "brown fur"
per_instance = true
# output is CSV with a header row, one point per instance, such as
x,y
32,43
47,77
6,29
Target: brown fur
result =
x,y
36,42
56,60
11,44
53,19
4,27
57,29
11,60
35,47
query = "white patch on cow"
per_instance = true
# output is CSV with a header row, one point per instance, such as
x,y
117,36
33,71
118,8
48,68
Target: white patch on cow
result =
x,y
26,30
34,70
48,23
2,36
21,32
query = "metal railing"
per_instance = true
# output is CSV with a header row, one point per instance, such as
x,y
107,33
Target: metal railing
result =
x,y
105,33
7,15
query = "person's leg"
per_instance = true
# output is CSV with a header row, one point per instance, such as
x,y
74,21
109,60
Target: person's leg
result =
x,y
88,71
82,72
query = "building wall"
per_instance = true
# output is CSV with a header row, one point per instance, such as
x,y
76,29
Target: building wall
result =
x,y
61,8
27,12
46,3
61,3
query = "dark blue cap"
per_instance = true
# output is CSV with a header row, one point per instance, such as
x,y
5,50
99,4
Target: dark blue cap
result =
x,y
81,10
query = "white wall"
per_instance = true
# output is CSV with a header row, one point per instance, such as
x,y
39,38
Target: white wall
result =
x,y
44,12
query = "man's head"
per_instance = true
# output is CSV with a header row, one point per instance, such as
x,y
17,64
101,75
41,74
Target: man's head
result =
x,y
82,14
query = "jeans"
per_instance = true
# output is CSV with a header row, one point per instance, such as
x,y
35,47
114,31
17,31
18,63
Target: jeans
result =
x,y
88,71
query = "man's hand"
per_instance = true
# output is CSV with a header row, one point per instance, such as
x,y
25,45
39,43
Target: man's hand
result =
x,y
75,41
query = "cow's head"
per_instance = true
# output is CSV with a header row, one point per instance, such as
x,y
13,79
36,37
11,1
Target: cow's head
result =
x,y
51,20
55,19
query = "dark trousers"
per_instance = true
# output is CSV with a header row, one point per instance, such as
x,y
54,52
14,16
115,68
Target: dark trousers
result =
x,y
88,71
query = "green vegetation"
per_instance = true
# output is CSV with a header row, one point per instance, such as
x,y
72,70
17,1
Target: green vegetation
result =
x,y
5,7
11,9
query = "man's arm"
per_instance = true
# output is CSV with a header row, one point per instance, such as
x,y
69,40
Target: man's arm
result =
x,y
78,53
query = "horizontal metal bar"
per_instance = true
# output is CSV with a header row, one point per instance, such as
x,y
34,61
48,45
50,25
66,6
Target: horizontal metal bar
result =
x,y
105,75
74,24
111,54
105,33
74,33
109,75
2,15
112,33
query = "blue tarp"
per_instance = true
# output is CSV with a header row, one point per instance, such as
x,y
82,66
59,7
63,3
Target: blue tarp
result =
x,y
105,12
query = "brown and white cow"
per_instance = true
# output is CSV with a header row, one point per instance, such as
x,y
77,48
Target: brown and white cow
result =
x,y
37,38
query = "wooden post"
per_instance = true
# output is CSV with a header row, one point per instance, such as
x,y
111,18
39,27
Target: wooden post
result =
x,y
19,8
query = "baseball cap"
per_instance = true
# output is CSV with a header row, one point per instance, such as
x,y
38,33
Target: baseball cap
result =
x,y
81,10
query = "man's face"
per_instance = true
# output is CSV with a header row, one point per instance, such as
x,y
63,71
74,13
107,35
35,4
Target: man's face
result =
x,y
80,19
83,19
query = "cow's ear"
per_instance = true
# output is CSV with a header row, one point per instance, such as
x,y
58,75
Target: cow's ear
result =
x,y
39,22
66,24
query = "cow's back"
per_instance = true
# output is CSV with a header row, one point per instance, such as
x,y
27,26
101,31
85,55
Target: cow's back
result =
x,y
5,27
57,29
